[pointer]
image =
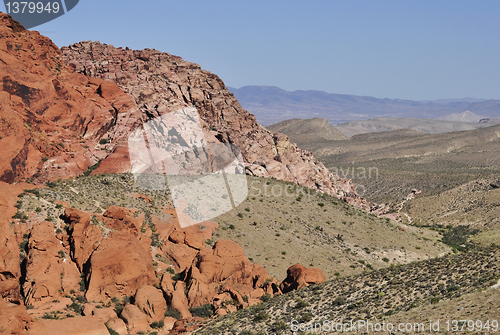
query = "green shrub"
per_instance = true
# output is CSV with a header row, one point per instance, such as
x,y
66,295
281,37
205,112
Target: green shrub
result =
x,y
112,331
306,317
260,316
50,316
18,215
204,311
339,301
265,297
457,237
92,168
172,313
301,303
83,285
280,325
76,307
157,324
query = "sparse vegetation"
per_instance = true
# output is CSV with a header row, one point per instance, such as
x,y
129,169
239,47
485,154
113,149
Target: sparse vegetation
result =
x,y
204,311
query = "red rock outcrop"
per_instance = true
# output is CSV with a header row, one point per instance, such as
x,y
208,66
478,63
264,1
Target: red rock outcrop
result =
x,y
118,267
299,277
87,325
51,119
118,325
151,302
84,236
160,83
122,219
46,261
135,320
15,319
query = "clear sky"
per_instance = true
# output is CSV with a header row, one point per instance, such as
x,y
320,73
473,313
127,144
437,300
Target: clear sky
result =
x,y
397,49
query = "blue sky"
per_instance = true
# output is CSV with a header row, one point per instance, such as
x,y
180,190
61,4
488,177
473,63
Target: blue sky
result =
x,y
397,49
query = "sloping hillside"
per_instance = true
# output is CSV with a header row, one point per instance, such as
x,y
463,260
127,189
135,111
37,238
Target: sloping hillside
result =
x,y
280,223
374,296
308,130
402,160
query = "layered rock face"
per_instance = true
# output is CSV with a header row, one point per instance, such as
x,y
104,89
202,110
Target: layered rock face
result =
x,y
52,120
161,83
13,315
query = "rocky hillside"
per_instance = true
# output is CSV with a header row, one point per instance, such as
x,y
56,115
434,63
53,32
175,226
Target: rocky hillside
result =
x,y
377,296
53,123
129,270
160,83
308,130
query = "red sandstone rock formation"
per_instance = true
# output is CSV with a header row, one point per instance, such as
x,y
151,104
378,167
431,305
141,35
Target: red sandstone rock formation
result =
x,y
13,314
51,119
299,277
49,270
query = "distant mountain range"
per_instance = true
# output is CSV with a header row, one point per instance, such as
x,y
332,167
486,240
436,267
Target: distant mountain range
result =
x,y
271,105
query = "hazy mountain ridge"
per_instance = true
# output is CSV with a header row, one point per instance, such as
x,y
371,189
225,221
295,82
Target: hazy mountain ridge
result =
x,y
271,105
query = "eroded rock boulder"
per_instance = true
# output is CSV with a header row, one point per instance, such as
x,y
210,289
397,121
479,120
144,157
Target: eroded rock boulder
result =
x,y
151,302
118,267
46,261
298,276
135,320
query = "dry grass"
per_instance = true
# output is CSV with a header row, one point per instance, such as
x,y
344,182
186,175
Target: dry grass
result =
x,y
278,231
407,160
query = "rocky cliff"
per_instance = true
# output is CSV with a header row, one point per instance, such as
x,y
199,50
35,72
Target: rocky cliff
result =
x,y
53,123
161,83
